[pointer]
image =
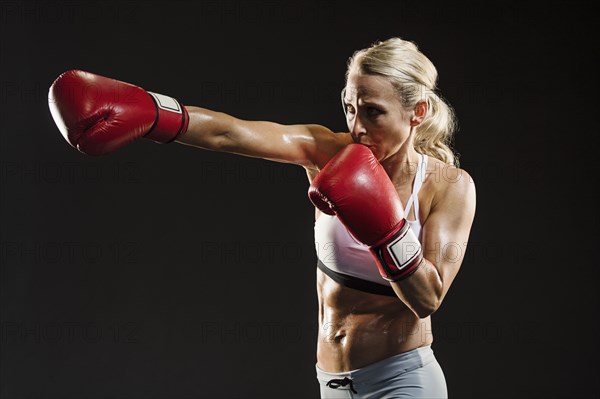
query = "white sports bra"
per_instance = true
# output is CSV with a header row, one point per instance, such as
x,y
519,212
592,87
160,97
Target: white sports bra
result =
x,y
350,262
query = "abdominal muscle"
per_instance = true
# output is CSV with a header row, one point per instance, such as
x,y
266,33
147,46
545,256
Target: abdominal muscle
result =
x,y
358,328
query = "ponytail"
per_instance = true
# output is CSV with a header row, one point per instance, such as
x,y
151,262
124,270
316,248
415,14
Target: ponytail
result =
x,y
435,134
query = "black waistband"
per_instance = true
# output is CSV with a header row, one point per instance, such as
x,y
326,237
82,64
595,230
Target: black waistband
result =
x,y
356,283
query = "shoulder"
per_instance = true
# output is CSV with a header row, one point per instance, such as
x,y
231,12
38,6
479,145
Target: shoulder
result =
x,y
454,188
325,145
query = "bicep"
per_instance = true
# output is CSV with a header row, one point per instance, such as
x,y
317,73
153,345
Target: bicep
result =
x,y
307,145
447,228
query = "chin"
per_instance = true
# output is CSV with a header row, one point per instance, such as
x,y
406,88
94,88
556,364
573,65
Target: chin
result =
x,y
378,155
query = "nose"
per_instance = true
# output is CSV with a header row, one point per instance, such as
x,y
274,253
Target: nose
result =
x,y
357,128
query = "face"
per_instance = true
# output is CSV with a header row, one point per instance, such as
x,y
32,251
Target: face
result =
x,y
375,115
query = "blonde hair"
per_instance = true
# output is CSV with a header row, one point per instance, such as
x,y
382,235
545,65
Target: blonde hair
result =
x,y
415,78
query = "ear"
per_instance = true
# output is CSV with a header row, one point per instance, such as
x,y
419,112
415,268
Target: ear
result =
x,y
419,113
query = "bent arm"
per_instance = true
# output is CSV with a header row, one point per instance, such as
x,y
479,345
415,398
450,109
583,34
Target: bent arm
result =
x,y
445,236
310,146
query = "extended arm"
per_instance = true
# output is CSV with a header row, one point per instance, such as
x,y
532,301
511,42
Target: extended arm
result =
x,y
99,115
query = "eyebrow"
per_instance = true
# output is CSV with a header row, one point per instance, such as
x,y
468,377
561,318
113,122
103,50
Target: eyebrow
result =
x,y
361,93
367,102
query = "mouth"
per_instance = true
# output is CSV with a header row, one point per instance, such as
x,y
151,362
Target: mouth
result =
x,y
357,141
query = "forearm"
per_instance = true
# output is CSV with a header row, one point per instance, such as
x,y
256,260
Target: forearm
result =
x,y
208,129
422,292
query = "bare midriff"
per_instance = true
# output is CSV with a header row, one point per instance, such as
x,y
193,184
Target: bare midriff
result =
x,y
357,328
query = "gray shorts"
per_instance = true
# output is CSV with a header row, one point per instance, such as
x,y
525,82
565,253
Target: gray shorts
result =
x,y
413,374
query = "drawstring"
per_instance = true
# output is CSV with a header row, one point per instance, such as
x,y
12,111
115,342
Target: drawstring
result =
x,y
336,383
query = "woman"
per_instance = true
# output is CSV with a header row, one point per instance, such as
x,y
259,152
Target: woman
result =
x,y
375,332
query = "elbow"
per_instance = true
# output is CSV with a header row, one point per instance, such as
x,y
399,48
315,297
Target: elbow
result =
x,y
423,306
222,142
426,309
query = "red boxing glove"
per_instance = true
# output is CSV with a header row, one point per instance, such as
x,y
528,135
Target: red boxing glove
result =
x,y
355,187
98,115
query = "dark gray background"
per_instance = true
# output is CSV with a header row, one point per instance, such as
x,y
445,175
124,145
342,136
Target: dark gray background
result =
x,y
164,271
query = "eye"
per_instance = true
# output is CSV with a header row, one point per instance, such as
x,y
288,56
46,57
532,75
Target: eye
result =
x,y
349,108
372,111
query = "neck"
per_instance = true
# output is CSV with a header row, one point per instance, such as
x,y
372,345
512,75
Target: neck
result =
x,y
401,166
